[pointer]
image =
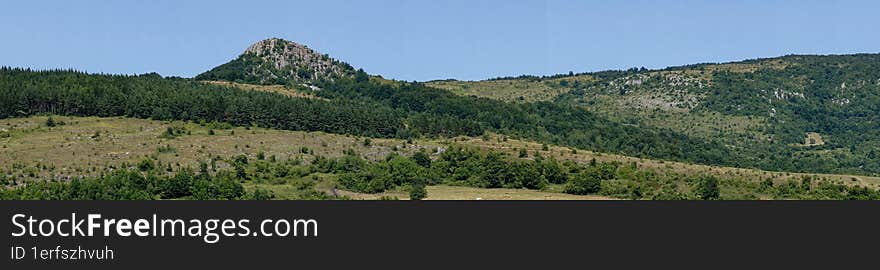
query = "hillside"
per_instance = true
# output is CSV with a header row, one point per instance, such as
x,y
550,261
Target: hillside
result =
x,y
763,109
292,164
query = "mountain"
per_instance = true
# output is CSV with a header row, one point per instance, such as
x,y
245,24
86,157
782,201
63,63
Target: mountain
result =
x,y
278,61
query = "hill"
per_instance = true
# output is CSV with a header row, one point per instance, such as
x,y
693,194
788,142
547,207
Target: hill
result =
x,y
278,61
762,109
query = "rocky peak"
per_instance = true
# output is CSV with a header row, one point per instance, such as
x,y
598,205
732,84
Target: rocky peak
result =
x,y
282,54
278,61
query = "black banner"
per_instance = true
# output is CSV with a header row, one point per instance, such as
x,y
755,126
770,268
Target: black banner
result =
x,y
447,234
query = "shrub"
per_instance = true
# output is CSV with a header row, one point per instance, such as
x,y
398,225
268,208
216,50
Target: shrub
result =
x,y
707,188
586,182
240,159
169,133
146,165
50,122
417,191
551,171
177,186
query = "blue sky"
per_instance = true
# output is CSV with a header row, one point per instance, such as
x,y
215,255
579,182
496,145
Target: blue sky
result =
x,y
425,40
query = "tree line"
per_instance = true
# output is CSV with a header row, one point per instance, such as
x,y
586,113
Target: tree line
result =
x,y
24,93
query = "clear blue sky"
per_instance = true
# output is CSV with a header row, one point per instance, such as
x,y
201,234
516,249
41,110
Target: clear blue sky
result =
x,y
425,40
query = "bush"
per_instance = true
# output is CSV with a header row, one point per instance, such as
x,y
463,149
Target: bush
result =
x,y
169,133
240,159
177,186
146,165
417,191
524,175
551,171
587,182
707,188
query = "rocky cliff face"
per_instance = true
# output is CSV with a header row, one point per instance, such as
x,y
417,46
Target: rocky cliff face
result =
x,y
278,61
